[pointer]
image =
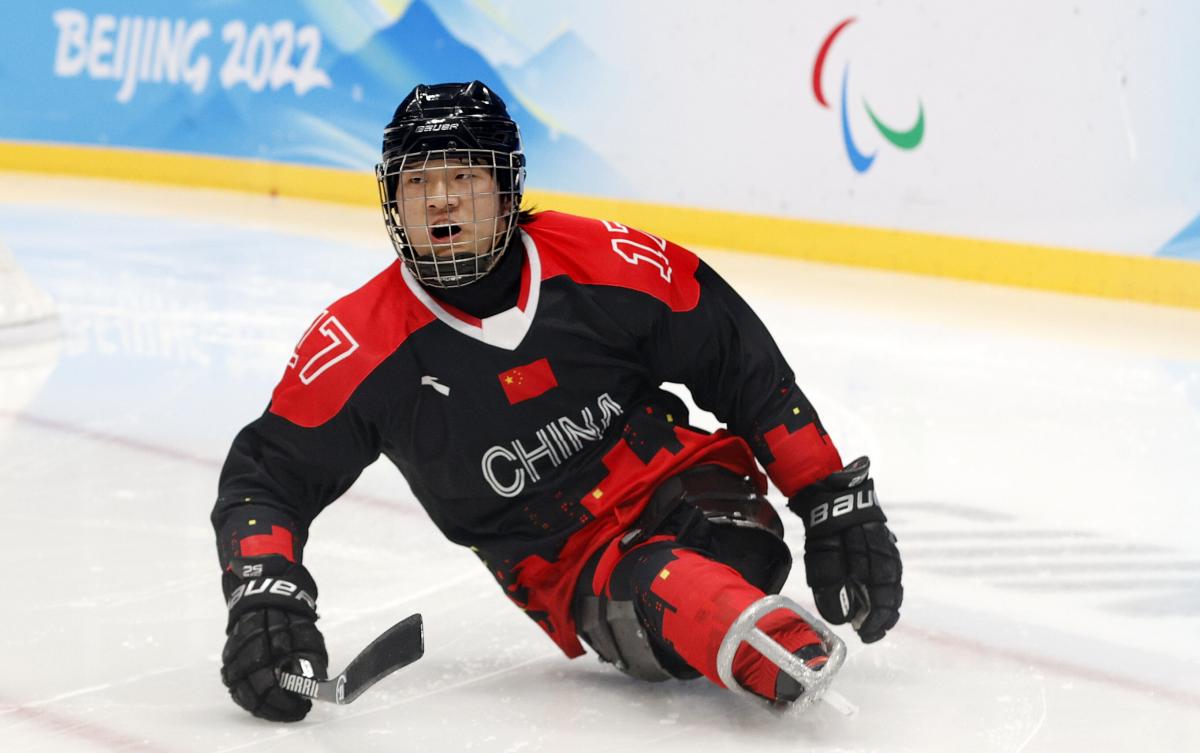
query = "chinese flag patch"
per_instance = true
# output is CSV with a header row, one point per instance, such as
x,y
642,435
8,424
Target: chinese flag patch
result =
x,y
528,381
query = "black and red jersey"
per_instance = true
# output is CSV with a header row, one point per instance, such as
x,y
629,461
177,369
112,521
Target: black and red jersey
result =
x,y
534,435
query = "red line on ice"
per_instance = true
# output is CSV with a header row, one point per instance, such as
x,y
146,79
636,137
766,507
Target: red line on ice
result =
x,y
65,724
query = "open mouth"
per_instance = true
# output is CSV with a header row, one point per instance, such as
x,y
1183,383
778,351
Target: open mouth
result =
x,y
443,233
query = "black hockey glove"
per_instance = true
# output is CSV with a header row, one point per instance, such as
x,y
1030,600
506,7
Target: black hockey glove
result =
x,y
272,625
850,556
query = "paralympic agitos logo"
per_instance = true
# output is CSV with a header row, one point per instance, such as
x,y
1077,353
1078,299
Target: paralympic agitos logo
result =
x,y
861,162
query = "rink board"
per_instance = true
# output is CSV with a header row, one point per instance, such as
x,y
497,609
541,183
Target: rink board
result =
x,y
1171,282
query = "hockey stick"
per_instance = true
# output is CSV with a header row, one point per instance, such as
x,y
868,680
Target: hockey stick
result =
x,y
401,645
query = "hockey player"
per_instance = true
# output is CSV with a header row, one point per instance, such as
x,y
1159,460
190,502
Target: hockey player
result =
x,y
509,364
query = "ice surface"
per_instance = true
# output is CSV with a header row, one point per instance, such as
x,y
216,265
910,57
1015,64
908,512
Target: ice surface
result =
x,y
1035,454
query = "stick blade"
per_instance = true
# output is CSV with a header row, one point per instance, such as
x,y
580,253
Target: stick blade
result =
x,y
401,645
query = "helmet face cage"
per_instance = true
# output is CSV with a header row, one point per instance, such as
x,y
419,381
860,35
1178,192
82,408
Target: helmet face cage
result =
x,y
451,213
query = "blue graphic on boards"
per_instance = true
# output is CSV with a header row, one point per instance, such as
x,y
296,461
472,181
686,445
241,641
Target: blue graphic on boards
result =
x,y
184,85
1185,244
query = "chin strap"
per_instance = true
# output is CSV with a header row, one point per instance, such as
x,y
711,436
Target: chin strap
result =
x,y
815,682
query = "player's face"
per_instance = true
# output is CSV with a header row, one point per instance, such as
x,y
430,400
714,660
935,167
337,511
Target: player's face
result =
x,y
450,207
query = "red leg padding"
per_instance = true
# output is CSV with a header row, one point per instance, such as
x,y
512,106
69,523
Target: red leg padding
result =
x,y
755,672
704,599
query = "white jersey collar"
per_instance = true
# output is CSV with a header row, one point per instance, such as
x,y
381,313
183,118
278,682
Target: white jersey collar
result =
x,y
503,330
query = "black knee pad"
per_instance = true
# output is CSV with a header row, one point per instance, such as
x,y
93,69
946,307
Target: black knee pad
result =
x,y
722,514
706,508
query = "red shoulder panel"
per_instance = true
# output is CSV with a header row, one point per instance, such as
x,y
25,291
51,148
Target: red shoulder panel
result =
x,y
600,252
344,345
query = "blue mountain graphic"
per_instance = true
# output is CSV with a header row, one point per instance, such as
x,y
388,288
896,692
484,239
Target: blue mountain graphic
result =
x,y
467,22
559,63
417,48
1185,244
566,79
212,123
341,126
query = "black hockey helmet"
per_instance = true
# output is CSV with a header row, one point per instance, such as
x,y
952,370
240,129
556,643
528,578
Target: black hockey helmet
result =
x,y
459,123
436,117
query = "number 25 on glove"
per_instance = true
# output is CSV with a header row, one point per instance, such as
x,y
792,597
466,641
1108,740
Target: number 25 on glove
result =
x,y
850,556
